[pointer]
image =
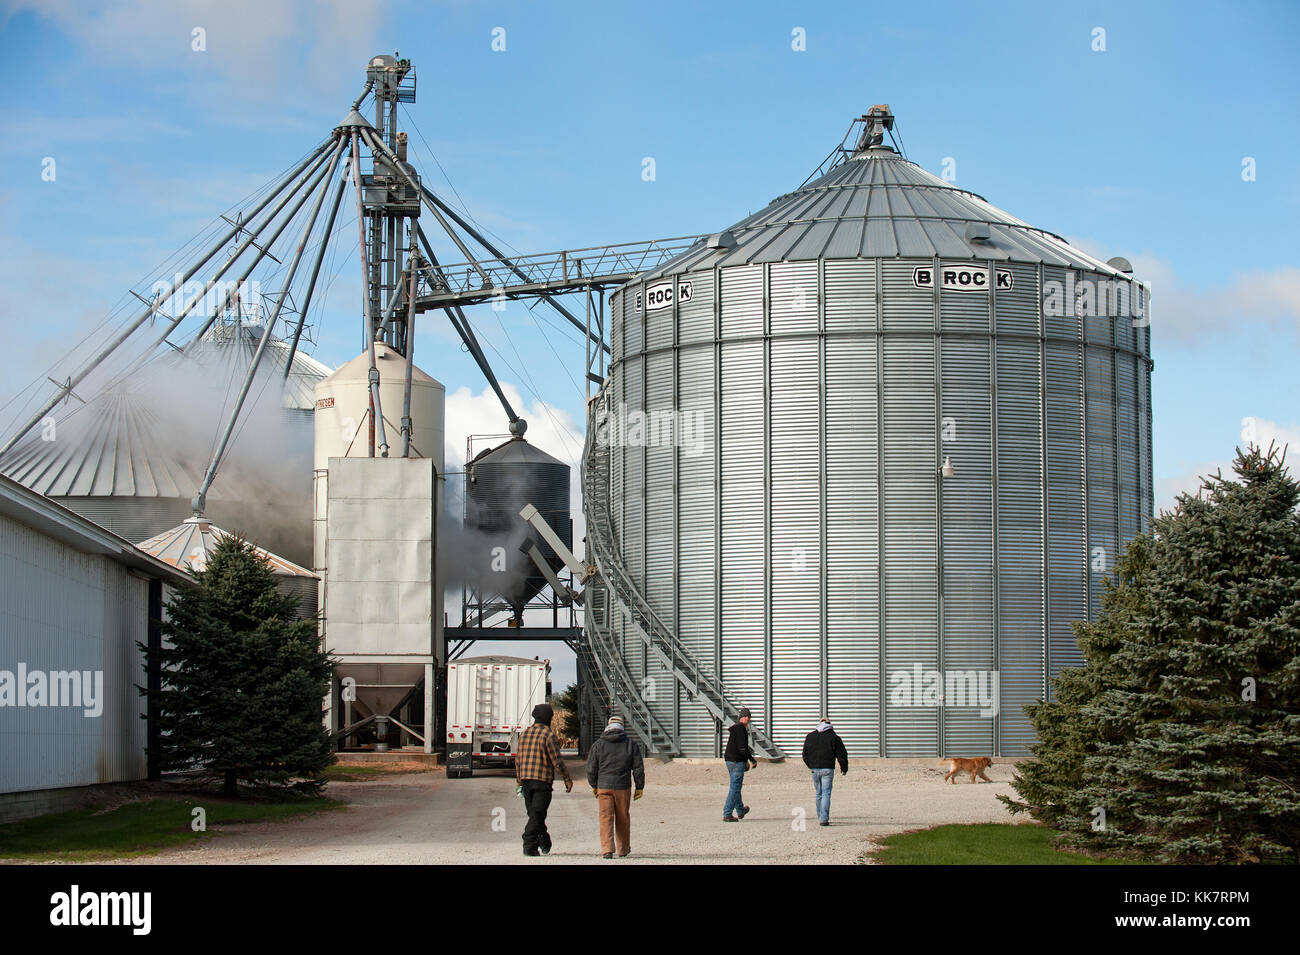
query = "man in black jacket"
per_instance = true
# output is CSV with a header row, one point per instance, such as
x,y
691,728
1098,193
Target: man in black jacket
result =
x,y
739,757
613,765
821,750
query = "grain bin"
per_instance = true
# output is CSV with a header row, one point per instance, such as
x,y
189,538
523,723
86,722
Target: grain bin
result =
x,y
500,481
912,434
375,534
189,544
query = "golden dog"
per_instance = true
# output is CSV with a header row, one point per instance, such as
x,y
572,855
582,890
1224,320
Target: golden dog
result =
x,y
974,767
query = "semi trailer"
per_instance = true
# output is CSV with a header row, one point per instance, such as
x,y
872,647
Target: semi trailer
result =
x,y
490,703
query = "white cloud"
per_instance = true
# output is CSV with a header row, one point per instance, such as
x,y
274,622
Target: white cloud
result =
x,y
1259,431
256,47
1180,312
549,427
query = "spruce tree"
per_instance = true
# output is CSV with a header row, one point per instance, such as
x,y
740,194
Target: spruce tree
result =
x,y
242,680
1179,739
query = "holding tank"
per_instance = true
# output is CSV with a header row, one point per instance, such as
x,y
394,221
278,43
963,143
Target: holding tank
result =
x,y
499,482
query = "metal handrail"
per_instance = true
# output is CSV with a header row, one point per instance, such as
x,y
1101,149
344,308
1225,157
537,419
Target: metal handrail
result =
x,y
553,268
620,686
699,681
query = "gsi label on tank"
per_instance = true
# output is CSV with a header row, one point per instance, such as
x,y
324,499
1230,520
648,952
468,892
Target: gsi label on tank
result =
x,y
661,295
961,278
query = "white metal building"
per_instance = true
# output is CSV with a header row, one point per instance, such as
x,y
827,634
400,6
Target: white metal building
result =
x,y
74,602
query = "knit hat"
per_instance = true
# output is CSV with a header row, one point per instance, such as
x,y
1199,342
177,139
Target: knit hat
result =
x,y
542,713
744,712
615,721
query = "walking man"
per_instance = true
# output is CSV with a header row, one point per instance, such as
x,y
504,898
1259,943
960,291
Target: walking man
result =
x,y
739,757
536,764
821,749
613,765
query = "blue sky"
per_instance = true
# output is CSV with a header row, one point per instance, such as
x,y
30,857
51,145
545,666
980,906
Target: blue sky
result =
x,y
1136,150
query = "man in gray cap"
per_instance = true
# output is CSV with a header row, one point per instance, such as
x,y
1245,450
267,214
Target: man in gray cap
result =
x,y
739,757
614,766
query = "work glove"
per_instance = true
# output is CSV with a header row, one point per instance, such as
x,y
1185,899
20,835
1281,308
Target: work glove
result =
x,y
638,794
568,785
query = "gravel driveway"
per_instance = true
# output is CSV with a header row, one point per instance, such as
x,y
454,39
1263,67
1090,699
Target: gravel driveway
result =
x,y
427,818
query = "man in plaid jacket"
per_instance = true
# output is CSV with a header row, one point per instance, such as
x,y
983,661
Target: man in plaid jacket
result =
x,y
536,764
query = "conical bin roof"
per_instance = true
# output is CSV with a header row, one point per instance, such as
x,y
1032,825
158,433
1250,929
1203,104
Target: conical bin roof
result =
x,y
188,545
876,204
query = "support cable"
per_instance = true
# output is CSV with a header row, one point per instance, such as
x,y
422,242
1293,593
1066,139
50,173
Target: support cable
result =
x,y
200,498
263,250
315,271
149,312
461,325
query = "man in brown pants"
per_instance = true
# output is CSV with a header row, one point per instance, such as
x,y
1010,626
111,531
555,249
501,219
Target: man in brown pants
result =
x,y
613,764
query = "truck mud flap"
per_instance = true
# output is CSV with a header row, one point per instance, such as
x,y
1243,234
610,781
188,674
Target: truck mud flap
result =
x,y
460,762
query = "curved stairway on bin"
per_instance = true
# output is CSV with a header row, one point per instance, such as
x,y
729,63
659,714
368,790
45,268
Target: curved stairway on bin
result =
x,y
615,687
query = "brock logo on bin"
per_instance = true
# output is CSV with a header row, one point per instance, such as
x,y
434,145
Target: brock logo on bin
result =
x,y
661,295
961,278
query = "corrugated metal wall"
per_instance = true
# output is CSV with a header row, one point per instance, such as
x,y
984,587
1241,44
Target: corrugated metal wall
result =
x,y
805,516
794,427
64,610
135,518
851,476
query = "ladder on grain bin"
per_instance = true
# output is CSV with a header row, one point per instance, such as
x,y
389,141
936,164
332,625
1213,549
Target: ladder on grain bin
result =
x,y
660,640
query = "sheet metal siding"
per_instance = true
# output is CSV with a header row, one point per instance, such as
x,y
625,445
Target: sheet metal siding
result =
x,y
659,584
966,520
742,583
1022,650
1143,338
809,516
135,518
65,610
796,556
1099,371
908,508
852,456
697,542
